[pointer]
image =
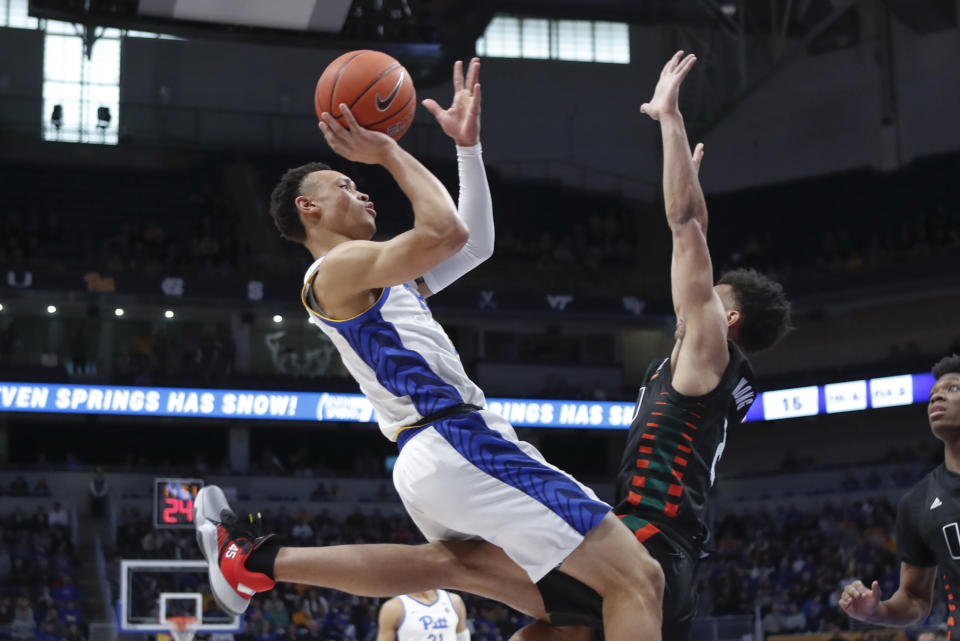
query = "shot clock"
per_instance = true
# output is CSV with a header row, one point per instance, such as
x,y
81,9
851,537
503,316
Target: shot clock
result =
x,y
173,502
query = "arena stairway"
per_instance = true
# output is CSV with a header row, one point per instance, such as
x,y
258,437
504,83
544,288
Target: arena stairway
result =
x,y
92,531
249,200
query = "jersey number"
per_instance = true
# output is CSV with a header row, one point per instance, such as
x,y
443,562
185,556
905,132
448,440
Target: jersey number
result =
x,y
951,532
435,637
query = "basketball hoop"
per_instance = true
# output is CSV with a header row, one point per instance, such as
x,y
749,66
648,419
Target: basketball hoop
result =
x,y
183,628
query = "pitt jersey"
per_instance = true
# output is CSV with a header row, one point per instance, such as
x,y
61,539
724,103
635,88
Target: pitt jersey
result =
x,y
435,621
403,360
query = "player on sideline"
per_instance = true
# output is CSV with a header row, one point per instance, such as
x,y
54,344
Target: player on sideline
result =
x,y
431,615
461,471
928,534
688,400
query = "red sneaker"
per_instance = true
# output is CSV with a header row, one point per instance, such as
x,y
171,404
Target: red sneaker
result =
x,y
226,544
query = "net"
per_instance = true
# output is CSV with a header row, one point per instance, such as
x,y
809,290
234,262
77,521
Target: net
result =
x,y
183,628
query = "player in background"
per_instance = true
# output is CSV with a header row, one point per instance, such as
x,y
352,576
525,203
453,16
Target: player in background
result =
x,y
461,473
431,615
689,400
928,524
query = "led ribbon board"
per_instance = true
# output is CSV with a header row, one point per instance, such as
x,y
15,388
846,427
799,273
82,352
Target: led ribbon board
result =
x,y
773,405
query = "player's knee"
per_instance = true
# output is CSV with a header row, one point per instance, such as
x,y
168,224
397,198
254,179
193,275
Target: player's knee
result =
x,y
442,564
457,563
652,574
642,576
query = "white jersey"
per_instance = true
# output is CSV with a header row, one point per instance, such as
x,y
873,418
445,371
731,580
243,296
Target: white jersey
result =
x,y
403,360
435,621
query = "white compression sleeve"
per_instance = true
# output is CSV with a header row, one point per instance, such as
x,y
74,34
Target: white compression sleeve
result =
x,y
475,208
463,635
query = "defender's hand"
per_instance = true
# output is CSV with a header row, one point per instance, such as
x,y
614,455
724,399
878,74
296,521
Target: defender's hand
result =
x,y
353,142
666,95
462,120
859,602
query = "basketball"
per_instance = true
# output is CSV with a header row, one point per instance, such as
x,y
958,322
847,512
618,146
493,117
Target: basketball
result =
x,y
376,88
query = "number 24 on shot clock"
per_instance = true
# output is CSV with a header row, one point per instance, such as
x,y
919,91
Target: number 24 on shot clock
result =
x,y
173,502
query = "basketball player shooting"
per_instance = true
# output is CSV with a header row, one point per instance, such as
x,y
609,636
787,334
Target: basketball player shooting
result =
x,y
461,472
689,398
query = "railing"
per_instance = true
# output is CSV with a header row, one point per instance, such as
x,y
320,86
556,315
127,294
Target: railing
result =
x,y
74,523
188,127
103,632
580,176
727,628
104,583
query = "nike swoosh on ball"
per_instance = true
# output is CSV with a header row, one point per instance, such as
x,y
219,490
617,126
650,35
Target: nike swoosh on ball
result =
x,y
384,103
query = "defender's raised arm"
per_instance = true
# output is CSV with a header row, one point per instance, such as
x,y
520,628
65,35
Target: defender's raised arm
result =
x,y
702,354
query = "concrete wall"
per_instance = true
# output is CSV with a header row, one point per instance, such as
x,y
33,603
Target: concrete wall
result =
x,y
838,338
834,440
822,114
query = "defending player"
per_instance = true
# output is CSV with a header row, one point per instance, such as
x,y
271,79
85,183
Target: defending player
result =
x,y
928,534
431,615
689,400
461,471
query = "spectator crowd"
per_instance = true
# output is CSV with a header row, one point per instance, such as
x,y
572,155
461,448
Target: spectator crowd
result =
x,y
39,598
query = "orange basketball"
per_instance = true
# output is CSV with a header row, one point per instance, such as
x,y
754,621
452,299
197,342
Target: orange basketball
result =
x,y
376,88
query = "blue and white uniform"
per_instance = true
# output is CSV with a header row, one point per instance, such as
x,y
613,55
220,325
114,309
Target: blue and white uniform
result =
x,y
465,475
403,360
436,621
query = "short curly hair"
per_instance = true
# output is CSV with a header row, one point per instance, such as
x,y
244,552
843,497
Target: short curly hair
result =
x,y
946,365
283,210
763,306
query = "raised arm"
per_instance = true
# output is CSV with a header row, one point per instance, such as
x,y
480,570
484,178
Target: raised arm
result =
x,y
703,355
909,604
354,267
462,123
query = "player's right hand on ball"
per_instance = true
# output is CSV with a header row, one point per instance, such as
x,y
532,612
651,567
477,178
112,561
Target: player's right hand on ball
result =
x,y
860,602
353,142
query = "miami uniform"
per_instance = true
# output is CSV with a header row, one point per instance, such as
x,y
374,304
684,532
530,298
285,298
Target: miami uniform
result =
x,y
663,488
436,621
461,472
928,532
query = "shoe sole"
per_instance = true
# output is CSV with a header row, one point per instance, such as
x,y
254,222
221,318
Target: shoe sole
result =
x,y
207,509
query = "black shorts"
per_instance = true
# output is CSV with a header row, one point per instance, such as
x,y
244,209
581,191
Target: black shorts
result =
x,y
570,602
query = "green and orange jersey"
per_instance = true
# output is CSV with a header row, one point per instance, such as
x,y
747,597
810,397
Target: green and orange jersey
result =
x,y
674,444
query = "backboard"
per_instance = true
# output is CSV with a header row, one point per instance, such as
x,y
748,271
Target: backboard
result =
x,y
152,588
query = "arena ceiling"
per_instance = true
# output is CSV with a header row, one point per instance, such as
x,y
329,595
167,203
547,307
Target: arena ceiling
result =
x,y
425,34
747,40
